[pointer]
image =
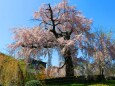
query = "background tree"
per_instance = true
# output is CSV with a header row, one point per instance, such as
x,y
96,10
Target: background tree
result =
x,y
104,55
63,28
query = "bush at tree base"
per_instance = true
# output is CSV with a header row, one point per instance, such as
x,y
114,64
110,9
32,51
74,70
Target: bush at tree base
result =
x,y
33,83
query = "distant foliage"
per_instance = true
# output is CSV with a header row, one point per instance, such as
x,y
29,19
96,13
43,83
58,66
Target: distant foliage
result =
x,y
41,75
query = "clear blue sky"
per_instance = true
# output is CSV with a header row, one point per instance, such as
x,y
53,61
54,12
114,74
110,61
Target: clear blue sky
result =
x,y
18,13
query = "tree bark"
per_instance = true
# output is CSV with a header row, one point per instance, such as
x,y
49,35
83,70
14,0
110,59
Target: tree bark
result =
x,y
69,64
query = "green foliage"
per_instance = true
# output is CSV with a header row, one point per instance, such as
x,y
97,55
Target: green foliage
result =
x,y
33,83
22,66
27,76
10,72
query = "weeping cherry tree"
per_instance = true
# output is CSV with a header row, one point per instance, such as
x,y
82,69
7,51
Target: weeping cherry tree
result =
x,y
61,27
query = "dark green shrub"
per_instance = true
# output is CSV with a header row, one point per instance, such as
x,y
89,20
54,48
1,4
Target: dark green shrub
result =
x,y
33,83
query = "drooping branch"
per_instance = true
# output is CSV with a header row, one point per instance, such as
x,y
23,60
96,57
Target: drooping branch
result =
x,y
62,66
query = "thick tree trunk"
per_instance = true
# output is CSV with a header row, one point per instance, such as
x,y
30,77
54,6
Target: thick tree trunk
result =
x,y
69,64
101,75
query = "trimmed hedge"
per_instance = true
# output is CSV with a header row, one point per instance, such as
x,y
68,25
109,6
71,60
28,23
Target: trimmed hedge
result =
x,y
110,78
78,79
33,83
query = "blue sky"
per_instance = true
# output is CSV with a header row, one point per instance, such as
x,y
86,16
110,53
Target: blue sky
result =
x,y
18,13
